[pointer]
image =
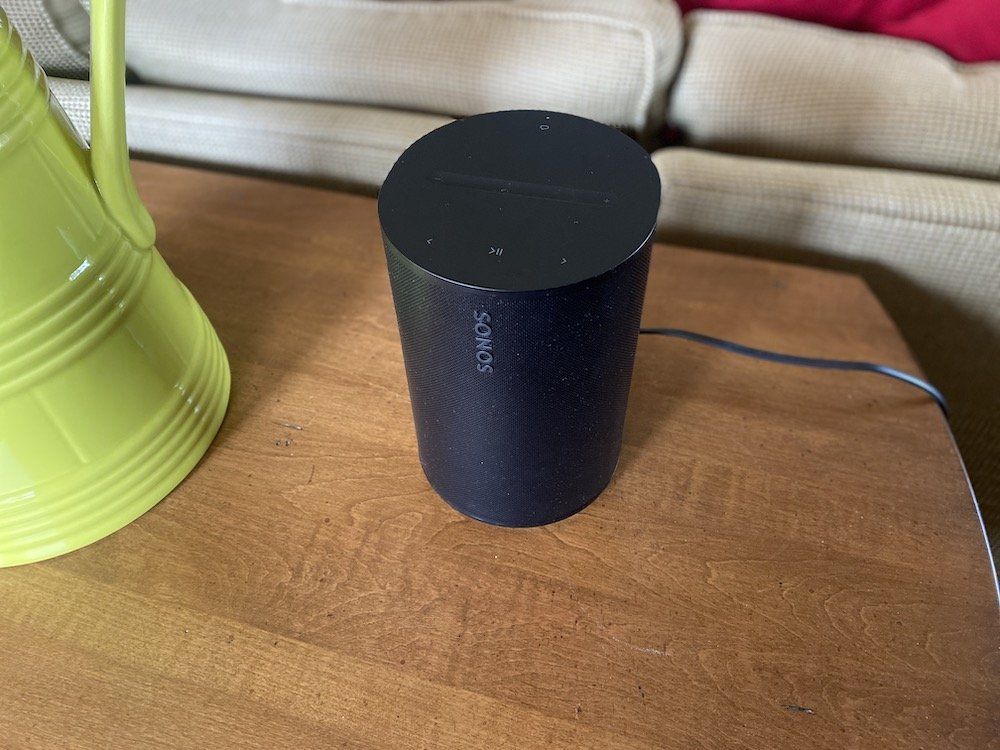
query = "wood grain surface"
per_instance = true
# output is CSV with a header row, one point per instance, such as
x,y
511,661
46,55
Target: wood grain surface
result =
x,y
786,558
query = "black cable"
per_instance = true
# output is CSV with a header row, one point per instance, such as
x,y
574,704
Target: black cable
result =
x,y
790,359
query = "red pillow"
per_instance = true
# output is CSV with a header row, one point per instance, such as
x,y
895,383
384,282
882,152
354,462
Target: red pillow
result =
x,y
968,30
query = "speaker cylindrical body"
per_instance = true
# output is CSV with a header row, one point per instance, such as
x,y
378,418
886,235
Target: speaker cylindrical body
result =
x,y
518,246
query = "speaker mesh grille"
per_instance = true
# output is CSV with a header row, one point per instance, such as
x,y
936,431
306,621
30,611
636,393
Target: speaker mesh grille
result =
x,y
537,438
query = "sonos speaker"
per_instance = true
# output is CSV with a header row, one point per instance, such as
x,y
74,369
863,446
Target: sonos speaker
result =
x,y
518,247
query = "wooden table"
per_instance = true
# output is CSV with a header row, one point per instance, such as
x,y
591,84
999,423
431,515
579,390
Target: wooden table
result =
x,y
786,558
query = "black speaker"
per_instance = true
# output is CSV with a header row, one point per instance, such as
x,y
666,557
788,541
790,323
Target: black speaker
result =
x,y
518,247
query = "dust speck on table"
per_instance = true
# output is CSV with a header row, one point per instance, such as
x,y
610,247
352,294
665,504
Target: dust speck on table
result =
x,y
798,709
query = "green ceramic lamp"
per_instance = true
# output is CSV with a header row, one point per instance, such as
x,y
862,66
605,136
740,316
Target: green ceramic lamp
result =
x,y
112,381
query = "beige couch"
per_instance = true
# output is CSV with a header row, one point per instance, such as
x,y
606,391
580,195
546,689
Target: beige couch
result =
x,y
832,148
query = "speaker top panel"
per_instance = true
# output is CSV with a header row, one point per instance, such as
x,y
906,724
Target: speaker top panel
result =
x,y
520,201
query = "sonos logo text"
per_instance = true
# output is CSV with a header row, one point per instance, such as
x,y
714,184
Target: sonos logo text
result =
x,y
484,341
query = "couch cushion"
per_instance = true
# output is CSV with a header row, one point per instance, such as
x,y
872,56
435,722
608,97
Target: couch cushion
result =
x,y
928,245
759,85
336,143
608,61
56,33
